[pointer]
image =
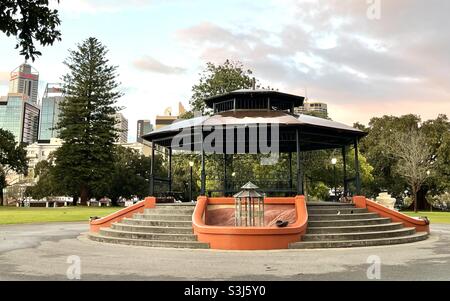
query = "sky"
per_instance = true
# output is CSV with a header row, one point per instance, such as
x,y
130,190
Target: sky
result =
x,y
364,58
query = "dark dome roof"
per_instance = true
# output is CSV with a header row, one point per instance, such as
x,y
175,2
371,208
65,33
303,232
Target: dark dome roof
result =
x,y
275,97
243,118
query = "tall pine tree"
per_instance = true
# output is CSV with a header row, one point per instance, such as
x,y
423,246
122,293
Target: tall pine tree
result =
x,y
86,124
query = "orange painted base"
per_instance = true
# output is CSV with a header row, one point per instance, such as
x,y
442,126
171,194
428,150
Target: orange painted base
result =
x,y
249,238
395,216
107,221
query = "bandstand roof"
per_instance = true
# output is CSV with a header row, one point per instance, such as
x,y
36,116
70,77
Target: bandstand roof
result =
x,y
321,133
275,96
315,133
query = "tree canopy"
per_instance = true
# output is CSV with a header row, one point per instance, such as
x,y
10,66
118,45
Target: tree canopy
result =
x,y
391,169
30,21
219,79
87,122
13,157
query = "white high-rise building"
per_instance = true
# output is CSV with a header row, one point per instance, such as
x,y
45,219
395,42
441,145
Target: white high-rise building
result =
x,y
122,126
25,80
319,109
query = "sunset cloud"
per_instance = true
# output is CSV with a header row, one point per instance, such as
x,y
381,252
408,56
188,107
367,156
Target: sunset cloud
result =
x,y
342,56
150,64
361,67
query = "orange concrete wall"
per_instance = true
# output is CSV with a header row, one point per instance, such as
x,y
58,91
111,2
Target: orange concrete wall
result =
x,y
395,216
104,222
249,238
223,215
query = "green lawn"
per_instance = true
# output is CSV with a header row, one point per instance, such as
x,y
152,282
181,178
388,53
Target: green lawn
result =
x,y
16,215
434,217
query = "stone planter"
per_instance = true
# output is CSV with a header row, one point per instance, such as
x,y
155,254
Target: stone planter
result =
x,y
386,200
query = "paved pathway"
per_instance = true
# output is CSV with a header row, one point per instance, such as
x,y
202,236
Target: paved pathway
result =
x,y
40,252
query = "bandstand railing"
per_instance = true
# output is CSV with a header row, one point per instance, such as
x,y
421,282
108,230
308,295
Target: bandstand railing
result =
x,y
271,187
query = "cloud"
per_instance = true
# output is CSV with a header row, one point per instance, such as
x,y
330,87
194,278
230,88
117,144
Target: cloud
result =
x,y
342,56
4,78
150,64
99,6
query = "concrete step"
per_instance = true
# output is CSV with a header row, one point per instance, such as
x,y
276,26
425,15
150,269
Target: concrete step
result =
x,y
349,222
178,205
329,217
344,210
359,243
159,223
163,217
353,229
147,236
359,235
328,204
169,210
149,243
152,229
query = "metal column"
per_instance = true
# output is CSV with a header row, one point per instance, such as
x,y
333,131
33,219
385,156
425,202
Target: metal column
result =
x,y
152,168
170,170
344,163
299,167
357,176
203,172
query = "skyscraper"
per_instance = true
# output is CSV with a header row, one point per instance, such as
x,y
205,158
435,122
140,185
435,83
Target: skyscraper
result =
x,y
19,116
53,95
143,127
122,127
168,118
25,79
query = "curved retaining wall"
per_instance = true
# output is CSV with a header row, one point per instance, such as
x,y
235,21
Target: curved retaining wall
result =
x,y
395,216
249,238
95,225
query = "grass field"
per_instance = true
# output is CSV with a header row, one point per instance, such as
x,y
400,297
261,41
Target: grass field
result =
x,y
434,217
16,215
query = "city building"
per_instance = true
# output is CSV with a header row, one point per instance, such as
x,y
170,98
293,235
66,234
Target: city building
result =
x,y
18,183
122,127
19,116
142,148
53,95
143,127
318,109
40,151
168,117
25,80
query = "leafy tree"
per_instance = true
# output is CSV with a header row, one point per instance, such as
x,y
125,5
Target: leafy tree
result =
x,y
219,79
319,171
30,21
13,158
129,177
86,125
373,147
437,133
414,159
47,184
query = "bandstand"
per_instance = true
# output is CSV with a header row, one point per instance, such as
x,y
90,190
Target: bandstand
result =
x,y
254,122
260,122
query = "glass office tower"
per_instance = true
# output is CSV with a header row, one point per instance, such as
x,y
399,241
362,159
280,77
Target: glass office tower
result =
x,y
53,96
19,116
143,127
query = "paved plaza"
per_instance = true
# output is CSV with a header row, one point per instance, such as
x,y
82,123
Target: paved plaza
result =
x,y
41,252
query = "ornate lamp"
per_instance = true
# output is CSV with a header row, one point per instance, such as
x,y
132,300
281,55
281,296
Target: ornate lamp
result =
x,y
249,207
